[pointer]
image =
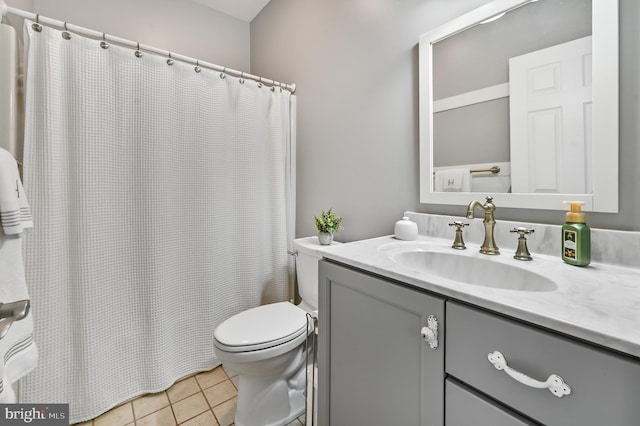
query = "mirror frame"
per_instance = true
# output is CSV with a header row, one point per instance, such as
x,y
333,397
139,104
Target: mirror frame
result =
x,y
605,114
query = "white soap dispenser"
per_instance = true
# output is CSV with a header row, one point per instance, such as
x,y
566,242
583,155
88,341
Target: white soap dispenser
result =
x,y
405,229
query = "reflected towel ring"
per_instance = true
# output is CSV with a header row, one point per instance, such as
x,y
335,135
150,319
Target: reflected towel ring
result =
x,y
197,67
170,61
104,43
138,53
66,34
37,27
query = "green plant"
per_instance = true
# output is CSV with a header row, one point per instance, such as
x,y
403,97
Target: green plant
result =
x,y
328,221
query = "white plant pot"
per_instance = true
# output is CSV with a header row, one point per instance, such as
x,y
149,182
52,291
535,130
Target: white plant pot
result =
x,y
325,238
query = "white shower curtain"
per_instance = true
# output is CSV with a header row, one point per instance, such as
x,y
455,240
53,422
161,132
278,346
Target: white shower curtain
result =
x,y
161,203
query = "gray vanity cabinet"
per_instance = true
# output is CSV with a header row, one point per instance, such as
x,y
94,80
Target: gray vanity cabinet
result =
x,y
375,368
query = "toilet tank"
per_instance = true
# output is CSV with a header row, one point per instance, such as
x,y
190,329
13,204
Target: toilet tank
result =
x,y
309,253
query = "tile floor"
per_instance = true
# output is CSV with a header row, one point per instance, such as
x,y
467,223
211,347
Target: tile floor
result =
x,y
204,399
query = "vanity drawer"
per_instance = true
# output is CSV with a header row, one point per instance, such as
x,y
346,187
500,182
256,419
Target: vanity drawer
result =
x,y
605,387
465,407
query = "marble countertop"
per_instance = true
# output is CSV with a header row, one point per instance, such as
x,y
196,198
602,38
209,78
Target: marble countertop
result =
x,y
599,303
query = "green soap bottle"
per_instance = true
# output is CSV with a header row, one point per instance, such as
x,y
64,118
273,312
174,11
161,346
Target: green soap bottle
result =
x,y
576,236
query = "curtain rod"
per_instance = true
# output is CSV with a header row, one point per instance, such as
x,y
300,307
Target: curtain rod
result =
x,y
4,10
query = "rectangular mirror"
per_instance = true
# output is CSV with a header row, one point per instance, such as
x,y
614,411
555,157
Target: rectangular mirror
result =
x,y
519,100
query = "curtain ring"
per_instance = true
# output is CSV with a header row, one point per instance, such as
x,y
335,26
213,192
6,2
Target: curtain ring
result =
x,y
138,53
37,27
197,67
66,34
241,80
170,61
104,43
223,74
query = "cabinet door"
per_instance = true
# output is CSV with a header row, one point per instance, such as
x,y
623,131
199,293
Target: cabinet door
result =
x,y
375,368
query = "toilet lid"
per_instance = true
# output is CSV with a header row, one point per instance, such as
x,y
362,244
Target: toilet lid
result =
x,y
261,327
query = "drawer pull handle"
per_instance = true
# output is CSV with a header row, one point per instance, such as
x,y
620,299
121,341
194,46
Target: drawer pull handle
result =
x,y
430,332
554,383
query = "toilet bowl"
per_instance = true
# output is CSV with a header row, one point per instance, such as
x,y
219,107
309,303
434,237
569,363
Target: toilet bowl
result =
x,y
266,347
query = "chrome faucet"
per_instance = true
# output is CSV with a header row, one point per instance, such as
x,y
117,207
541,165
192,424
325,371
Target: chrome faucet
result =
x,y
489,245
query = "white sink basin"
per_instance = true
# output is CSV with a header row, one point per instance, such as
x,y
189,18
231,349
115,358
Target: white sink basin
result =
x,y
473,270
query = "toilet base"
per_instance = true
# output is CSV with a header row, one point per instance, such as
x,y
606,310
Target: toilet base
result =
x,y
271,392
296,409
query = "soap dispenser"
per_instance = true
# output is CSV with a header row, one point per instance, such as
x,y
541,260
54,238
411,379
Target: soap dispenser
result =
x,y
576,236
405,229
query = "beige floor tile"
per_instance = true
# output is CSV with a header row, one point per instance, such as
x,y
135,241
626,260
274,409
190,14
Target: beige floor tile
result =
x,y
225,412
296,422
204,419
118,416
220,393
183,389
163,417
210,378
87,423
148,404
190,407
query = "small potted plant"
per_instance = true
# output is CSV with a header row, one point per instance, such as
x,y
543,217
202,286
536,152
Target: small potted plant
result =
x,y
327,223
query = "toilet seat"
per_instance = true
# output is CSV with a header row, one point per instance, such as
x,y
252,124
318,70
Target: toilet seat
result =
x,y
261,328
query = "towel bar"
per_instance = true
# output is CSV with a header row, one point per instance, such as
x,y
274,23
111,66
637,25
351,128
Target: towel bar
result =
x,y
11,312
495,170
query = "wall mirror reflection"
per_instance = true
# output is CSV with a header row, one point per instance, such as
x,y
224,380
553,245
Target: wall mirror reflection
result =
x,y
518,99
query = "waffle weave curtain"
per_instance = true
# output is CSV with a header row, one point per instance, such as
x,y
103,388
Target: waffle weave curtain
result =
x,y
162,206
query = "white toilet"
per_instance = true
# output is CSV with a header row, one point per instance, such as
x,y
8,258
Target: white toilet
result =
x,y
265,347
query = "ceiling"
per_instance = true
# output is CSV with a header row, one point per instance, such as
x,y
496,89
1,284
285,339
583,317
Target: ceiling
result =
x,y
244,10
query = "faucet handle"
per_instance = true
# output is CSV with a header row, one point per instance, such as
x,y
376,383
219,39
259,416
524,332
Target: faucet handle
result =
x,y
458,243
522,252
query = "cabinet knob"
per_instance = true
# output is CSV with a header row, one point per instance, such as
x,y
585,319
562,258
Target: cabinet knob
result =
x,y
554,383
430,332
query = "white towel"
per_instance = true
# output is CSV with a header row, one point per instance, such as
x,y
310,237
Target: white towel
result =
x,y
18,352
453,180
15,214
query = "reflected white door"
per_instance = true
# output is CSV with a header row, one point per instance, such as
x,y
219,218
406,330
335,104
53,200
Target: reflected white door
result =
x,y
550,119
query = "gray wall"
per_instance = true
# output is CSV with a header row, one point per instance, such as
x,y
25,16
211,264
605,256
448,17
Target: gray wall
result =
x,y
184,27
355,63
